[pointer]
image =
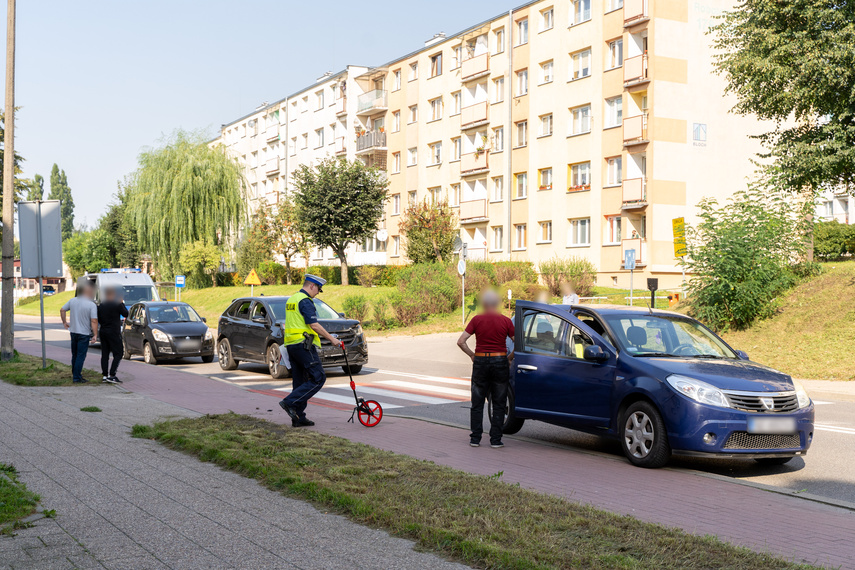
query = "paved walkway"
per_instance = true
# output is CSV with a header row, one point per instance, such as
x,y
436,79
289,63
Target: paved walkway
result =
x,y
786,526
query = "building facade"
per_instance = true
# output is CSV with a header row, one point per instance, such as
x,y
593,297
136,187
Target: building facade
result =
x,y
836,206
559,128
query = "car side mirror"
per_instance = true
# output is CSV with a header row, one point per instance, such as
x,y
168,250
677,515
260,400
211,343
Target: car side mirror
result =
x,y
204,320
742,355
341,315
594,353
135,321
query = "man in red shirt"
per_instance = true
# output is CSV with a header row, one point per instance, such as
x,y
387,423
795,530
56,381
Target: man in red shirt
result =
x,y
490,367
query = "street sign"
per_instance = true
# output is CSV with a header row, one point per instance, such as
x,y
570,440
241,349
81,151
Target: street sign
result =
x,y
652,284
461,267
41,239
252,279
679,227
629,259
180,281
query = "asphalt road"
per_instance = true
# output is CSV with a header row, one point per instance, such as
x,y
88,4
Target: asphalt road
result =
x,y
428,377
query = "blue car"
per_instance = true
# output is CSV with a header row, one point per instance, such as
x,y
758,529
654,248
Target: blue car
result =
x,y
658,381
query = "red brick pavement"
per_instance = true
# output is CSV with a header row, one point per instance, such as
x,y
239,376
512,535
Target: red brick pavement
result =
x,y
790,527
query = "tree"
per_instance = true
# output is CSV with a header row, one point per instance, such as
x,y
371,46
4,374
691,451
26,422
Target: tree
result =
x,y
429,231
36,190
200,258
339,203
288,239
788,60
59,190
256,247
88,251
118,224
184,192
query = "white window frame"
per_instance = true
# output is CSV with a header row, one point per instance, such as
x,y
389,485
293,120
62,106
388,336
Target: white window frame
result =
x,y
457,100
581,12
412,156
579,232
522,134
580,64
522,82
520,236
580,118
498,189
615,54
436,65
499,41
614,169
520,185
435,153
455,195
547,72
612,5
545,229
396,246
396,162
498,238
547,19
546,178
614,112
414,71
580,175
396,122
547,125
435,109
413,115
614,231
396,204
456,149
397,81
498,139
522,31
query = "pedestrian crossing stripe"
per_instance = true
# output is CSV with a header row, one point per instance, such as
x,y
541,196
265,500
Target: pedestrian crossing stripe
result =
x,y
329,397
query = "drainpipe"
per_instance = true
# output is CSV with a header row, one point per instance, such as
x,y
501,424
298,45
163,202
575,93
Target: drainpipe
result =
x,y
509,135
287,142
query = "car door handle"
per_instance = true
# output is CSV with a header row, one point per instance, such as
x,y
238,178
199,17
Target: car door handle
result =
x,y
526,367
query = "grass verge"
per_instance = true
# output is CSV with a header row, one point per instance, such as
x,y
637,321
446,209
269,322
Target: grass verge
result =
x,y
16,501
480,520
26,370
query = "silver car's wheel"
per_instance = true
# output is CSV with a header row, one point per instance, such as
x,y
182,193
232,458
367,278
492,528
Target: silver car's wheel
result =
x,y
276,369
644,438
639,434
148,354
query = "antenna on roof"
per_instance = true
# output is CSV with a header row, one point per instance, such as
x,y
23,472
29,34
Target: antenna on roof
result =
x,y
649,310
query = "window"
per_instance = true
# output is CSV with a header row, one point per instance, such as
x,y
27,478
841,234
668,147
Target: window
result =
x,y
396,121
396,204
581,11
546,125
614,111
319,137
436,109
397,81
293,146
522,238
373,245
613,233
580,64
580,120
521,185
396,246
414,114
580,176
396,162
436,65
546,72
545,232
305,142
458,56
498,238
829,209
545,175
615,54
498,189
457,148
522,82
411,197
542,333
499,139
613,5
642,228
414,71
547,19
457,102
498,90
435,153
319,98
522,133
499,43
435,195
580,232
455,194
522,31
412,156
253,162
699,132
614,171
305,104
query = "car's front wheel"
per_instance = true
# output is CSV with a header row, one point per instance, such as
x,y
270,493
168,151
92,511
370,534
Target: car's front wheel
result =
x,y
224,355
208,358
274,364
771,461
644,439
512,423
353,369
148,354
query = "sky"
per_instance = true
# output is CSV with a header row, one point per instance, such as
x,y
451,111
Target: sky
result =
x,y
98,81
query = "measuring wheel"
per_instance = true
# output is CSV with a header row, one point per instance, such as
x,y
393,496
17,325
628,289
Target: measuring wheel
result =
x,y
369,413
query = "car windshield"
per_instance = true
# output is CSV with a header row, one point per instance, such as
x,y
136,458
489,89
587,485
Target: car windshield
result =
x,y
174,314
656,335
324,310
136,293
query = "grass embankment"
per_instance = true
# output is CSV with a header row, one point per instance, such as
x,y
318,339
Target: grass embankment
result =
x,y
480,520
26,370
53,303
16,501
813,333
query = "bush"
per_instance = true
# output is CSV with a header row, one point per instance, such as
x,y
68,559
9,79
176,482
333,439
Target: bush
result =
x,y
423,290
28,300
355,307
271,273
507,271
520,291
369,275
332,273
381,308
237,279
833,240
389,275
577,271
480,275
225,279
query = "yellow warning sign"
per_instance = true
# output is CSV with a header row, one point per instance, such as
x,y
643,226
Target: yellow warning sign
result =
x,y
679,226
252,278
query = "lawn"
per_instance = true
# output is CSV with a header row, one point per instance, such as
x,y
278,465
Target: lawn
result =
x,y
26,370
480,520
52,305
16,501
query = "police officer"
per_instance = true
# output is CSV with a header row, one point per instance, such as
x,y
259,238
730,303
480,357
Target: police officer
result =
x,y
302,334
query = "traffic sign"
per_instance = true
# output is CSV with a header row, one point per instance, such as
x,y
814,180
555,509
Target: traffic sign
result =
x,y
679,227
180,281
252,278
461,267
629,259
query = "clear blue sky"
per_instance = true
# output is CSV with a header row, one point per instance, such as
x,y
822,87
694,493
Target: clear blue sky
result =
x,y
99,80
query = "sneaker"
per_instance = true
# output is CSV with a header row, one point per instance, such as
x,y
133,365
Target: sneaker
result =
x,y
81,381
292,413
474,444
105,380
114,380
499,445
302,423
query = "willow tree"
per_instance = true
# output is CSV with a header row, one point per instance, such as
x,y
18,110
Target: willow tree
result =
x,y
183,192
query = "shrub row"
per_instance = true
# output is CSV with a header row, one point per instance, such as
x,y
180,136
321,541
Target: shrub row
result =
x,y
833,240
576,271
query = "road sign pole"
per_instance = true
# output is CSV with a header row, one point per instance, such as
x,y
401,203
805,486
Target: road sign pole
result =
x,y
41,280
463,301
631,272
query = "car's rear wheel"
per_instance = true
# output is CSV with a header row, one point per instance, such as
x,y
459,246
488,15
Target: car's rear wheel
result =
x,y
644,439
224,354
274,365
148,354
512,424
770,461
353,369
208,358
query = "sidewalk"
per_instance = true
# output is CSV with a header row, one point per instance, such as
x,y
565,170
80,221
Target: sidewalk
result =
x,y
786,526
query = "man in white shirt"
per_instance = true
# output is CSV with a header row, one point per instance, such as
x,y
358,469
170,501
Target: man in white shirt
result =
x,y
83,328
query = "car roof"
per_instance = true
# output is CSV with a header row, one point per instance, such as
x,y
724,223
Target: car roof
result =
x,y
606,310
163,304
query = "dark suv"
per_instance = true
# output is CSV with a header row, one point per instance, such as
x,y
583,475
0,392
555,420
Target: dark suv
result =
x,y
250,330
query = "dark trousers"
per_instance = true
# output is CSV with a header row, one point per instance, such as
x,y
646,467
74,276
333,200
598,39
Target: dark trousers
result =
x,y
307,376
490,377
79,348
111,343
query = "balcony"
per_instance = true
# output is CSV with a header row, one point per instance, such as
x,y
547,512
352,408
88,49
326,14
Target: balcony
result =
x,y
635,130
370,141
340,146
474,163
635,71
473,212
373,102
474,116
634,12
272,166
634,193
341,106
272,134
475,67
640,248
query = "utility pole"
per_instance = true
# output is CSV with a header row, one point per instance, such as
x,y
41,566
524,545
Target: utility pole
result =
x,y
7,304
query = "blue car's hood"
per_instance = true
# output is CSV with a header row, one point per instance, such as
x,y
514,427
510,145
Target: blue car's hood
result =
x,y
740,375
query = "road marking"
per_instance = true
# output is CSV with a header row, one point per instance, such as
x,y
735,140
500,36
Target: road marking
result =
x,y
428,388
822,403
440,379
246,377
339,399
405,396
836,429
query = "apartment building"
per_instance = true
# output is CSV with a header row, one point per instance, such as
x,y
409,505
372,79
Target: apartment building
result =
x,y
837,206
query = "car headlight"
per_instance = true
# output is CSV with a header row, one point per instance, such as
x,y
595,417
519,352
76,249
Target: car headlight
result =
x,y
209,335
698,391
358,329
804,399
159,335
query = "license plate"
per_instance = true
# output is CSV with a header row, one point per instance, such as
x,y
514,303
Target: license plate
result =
x,y
188,346
772,426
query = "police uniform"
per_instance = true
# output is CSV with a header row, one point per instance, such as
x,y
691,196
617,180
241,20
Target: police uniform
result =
x,y
302,344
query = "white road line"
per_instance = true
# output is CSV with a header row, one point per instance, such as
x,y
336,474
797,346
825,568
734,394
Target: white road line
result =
x,y
246,377
428,388
405,396
340,399
822,403
836,429
440,379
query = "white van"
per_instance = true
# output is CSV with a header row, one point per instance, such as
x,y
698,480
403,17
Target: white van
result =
x,y
131,284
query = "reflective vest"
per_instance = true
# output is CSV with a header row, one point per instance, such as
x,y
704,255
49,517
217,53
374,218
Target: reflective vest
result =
x,y
295,324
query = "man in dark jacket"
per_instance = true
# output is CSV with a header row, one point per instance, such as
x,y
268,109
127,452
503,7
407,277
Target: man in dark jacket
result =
x,y
110,313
